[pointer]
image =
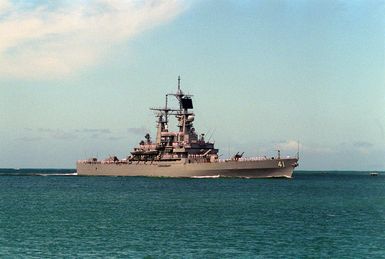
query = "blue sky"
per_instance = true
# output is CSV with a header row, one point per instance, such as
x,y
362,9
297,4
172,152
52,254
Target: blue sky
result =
x,y
77,78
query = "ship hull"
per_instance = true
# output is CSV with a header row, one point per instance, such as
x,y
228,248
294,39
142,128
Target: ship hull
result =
x,y
267,168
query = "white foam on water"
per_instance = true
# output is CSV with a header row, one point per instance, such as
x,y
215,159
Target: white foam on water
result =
x,y
206,176
68,174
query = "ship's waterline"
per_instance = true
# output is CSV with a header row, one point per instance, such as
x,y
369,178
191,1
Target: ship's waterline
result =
x,y
249,169
184,153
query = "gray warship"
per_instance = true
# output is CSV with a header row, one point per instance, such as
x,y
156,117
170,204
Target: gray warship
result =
x,y
184,153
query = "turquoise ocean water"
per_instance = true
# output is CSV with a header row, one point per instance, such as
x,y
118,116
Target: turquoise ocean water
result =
x,y
46,213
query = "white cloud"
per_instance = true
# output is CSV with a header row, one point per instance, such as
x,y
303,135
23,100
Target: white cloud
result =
x,y
53,41
4,5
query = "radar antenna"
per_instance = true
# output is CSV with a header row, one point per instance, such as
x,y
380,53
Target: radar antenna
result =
x,y
179,84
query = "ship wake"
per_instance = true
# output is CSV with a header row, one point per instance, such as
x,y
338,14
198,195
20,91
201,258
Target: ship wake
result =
x,y
67,174
29,173
205,176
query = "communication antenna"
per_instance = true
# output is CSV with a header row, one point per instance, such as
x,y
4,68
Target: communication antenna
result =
x,y
298,150
178,84
179,94
212,133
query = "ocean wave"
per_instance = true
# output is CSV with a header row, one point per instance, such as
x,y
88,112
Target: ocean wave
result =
x,y
37,172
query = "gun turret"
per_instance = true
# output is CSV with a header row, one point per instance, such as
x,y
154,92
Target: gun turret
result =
x,y
237,156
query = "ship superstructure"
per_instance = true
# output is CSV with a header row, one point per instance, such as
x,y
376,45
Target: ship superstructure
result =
x,y
184,153
184,144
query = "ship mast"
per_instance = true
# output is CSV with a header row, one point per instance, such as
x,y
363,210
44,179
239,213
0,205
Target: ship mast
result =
x,y
181,113
178,144
178,84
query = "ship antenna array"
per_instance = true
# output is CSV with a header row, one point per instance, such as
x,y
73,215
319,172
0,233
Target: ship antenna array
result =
x,y
212,133
178,84
298,150
166,110
179,94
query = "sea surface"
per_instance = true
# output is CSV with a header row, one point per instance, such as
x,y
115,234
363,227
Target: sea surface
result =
x,y
52,213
